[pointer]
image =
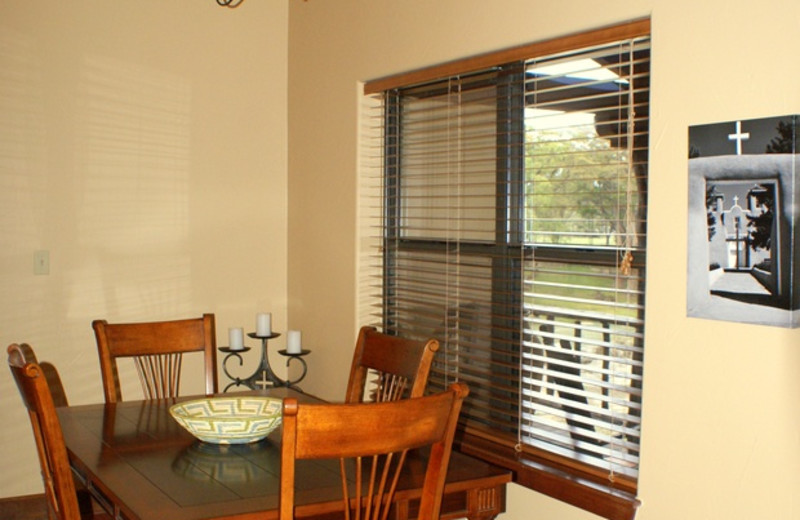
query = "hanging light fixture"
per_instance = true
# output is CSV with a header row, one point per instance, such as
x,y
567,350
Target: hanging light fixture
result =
x,y
229,3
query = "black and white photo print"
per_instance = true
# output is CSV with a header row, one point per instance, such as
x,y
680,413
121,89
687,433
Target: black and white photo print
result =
x,y
742,226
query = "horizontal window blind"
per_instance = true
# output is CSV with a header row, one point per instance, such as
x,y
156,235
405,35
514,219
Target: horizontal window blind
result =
x,y
583,290
504,213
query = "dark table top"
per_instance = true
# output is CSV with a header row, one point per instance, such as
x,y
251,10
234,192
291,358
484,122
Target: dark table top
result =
x,y
141,461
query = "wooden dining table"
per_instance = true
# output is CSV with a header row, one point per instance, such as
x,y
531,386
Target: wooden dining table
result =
x,y
141,465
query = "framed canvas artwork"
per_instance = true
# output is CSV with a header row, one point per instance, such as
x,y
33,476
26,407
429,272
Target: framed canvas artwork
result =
x,y
742,226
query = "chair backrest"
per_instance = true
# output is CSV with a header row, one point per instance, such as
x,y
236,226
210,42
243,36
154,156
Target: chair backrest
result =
x,y
53,379
400,366
372,441
157,349
31,380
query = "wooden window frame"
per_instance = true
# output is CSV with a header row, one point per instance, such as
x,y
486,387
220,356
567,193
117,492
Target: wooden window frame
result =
x,y
554,476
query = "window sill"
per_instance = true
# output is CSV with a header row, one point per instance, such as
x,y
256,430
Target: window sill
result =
x,y
539,475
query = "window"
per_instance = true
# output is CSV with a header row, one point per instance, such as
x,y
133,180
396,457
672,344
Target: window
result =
x,y
510,207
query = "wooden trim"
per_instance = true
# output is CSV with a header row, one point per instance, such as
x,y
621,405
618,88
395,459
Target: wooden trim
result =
x,y
600,36
603,499
477,441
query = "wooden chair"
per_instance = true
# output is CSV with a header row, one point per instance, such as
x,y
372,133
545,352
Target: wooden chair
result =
x,y
372,441
157,349
400,366
65,499
54,383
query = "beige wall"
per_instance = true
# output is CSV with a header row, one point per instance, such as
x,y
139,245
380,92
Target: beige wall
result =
x,y
721,435
143,143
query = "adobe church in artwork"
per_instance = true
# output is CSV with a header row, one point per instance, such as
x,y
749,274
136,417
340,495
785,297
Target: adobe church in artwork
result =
x,y
741,238
742,222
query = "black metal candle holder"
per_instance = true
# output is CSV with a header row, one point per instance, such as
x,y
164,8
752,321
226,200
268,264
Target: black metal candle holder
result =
x,y
263,377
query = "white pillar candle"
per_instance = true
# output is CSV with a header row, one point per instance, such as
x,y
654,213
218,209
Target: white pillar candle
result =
x,y
293,344
236,338
263,324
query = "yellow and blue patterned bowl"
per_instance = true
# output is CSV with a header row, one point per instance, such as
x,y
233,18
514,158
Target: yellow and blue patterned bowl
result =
x,y
229,420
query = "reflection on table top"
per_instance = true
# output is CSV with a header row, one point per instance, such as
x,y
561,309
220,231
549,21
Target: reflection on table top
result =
x,y
144,466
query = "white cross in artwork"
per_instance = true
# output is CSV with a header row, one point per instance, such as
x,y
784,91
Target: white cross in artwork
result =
x,y
739,137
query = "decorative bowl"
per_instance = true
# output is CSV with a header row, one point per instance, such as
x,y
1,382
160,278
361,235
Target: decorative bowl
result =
x,y
229,420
